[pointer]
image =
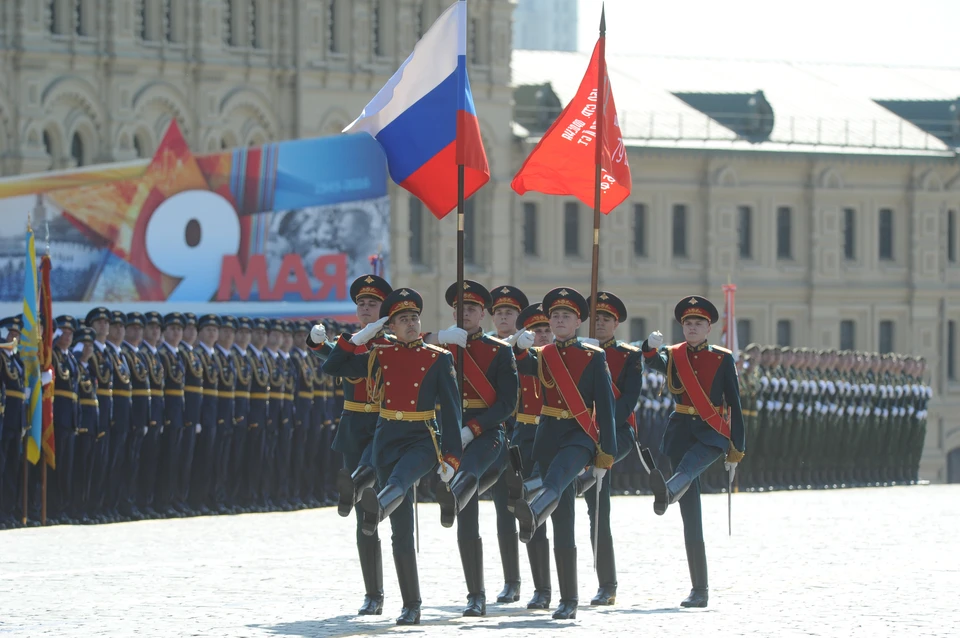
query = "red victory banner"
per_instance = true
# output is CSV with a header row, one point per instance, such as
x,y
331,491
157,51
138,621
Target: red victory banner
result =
x,y
564,161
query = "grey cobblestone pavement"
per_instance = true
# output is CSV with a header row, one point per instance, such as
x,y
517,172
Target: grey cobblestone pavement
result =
x,y
880,562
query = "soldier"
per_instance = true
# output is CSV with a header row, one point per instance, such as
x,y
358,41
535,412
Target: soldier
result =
x,y
122,395
301,365
277,370
703,378
65,420
626,367
137,428
193,386
240,355
259,415
174,380
750,387
205,458
414,378
88,425
150,451
508,302
575,376
12,423
226,413
102,366
285,431
526,476
489,398
354,437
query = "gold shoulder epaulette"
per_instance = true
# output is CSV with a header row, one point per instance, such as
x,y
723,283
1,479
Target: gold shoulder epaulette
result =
x,y
724,350
590,346
629,348
430,346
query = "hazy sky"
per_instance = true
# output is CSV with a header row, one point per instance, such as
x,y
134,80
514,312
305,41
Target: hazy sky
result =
x,y
916,32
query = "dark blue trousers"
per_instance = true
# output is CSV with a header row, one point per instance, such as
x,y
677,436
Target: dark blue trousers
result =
x,y
560,473
479,457
415,463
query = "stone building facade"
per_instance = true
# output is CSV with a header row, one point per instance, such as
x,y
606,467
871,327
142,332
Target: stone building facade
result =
x,y
830,247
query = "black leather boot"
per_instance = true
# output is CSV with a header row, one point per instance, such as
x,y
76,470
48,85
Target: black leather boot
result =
x,y
409,581
377,507
532,515
539,554
510,559
669,492
606,574
462,488
371,564
567,575
489,479
351,486
584,481
471,556
697,561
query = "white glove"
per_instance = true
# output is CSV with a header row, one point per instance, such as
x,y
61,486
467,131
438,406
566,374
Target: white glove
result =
x,y
318,334
466,437
198,428
648,404
367,332
445,472
731,468
655,340
524,339
453,335
599,472
27,393
764,381
788,407
144,430
800,407
46,377
591,341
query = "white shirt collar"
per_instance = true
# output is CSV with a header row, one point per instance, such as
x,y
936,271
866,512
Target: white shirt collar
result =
x,y
187,346
132,347
255,351
273,353
99,345
205,347
169,347
222,349
303,353
285,355
152,349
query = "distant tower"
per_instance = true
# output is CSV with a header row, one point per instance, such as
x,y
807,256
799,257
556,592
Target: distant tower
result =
x,y
545,25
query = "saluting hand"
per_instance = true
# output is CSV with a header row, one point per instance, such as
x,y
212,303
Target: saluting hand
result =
x,y
368,332
454,335
523,339
318,334
655,340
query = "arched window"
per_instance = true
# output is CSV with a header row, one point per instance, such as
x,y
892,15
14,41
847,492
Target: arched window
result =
x,y
333,45
77,150
375,25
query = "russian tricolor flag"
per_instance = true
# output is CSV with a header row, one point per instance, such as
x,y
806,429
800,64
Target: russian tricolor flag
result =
x,y
425,119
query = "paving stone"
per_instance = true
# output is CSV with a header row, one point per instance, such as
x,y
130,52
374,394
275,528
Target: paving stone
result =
x,y
864,562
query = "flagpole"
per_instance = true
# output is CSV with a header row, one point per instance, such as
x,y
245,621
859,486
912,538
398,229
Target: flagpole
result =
x,y
461,91
601,94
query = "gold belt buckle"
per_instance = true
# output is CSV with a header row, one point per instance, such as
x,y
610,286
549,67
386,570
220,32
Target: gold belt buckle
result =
x,y
367,407
536,419
399,415
564,414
